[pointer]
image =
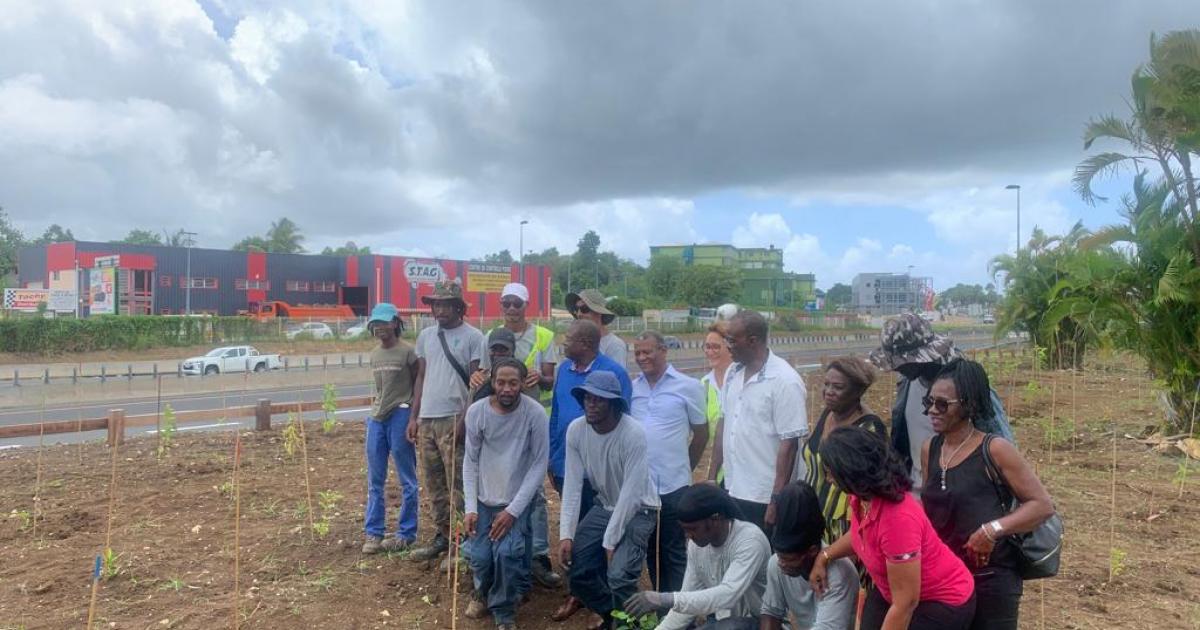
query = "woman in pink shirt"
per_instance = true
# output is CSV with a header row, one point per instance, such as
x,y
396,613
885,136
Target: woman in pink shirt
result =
x,y
919,581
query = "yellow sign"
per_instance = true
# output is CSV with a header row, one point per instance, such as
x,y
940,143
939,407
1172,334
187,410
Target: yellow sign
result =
x,y
483,278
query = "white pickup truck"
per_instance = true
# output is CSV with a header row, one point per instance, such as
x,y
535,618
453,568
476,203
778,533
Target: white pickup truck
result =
x,y
231,359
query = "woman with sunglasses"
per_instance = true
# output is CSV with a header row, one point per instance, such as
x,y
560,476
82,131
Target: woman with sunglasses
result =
x,y
961,498
918,581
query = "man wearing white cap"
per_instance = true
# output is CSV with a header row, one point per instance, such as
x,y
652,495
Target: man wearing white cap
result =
x,y
535,348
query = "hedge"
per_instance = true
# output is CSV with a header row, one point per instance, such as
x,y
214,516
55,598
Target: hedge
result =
x,y
36,335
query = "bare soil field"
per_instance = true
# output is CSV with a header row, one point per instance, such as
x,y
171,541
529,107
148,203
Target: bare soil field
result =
x,y
1130,558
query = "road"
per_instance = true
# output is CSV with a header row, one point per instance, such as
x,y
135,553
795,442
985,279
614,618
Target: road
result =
x,y
804,359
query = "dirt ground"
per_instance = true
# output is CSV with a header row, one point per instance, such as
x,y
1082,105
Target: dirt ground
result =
x,y
1130,560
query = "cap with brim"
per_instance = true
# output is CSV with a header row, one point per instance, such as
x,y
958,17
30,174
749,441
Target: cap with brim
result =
x,y
502,337
445,291
603,384
383,312
594,300
515,289
909,339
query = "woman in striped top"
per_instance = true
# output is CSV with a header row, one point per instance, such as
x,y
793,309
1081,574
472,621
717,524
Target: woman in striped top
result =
x,y
846,380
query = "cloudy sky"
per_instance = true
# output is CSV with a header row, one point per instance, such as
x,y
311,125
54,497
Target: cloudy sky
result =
x,y
863,136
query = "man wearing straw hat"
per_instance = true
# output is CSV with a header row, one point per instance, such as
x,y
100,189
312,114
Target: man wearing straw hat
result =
x,y
909,346
605,550
507,444
590,304
447,355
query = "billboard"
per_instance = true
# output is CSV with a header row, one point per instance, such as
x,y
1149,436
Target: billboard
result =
x,y
485,278
102,294
25,299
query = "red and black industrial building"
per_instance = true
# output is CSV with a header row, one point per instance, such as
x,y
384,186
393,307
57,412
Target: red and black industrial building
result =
x,y
153,279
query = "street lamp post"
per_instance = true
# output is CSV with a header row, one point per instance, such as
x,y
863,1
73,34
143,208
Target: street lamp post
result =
x,y
1017,187
521,251
187,300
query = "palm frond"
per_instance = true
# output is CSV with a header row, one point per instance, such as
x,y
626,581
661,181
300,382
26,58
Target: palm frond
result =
x,y
1099,165
1111,128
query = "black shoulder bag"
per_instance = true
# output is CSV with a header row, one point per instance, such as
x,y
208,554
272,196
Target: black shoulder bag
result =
x,y
1041,549
462,373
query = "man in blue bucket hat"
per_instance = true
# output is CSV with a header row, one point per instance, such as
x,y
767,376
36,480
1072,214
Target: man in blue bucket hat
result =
x,y
605,550
394,371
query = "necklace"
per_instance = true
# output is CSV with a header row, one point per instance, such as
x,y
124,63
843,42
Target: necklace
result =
x,y
946,460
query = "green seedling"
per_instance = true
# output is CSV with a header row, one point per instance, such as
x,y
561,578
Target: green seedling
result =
x,y
291,435
300,510
1181,473
1116,562
173,584
166,434
226,489
327,500
329,406
111,564
26,518
324,581
626,621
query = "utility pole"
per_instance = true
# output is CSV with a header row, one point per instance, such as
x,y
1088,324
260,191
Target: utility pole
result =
x,y
187,300
521,251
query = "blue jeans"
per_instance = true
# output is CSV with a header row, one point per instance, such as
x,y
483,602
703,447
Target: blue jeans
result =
x,y
385,438
540,522
501,569
603,586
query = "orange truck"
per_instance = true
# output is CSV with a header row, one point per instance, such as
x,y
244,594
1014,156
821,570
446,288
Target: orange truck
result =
x,y
264,311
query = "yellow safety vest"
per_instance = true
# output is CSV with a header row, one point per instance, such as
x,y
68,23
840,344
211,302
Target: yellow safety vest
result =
x,y
542,338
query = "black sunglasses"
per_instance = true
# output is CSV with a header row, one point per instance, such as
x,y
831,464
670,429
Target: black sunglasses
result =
x,y
583,309
941,404
515,303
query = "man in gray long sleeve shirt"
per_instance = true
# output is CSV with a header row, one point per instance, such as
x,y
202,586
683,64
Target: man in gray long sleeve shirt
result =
x,y
605,550
507,444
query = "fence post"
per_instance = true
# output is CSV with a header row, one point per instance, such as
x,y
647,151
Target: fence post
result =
x,y
305,364
343,360
155,370
129,371
103,374
179,370
74,376
285,364
262,415
360,359
46,377
116,427
16,377
324,362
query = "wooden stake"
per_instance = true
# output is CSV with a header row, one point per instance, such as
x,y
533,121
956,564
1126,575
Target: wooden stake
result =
x,y
237,524
1053,409
1075,367
307,486
158,414
454,534
107,549
1112,515
1187,459
37,480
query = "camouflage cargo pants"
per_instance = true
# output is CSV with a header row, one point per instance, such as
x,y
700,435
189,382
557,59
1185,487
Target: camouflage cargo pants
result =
x,y
437,441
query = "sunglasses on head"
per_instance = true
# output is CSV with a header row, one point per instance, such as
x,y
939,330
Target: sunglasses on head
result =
x,y
512,303
941,404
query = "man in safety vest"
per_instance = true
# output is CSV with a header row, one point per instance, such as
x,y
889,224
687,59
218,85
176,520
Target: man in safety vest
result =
x,y
535,347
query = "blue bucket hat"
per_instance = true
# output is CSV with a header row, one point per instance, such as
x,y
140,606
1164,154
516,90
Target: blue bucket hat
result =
x,y
604,384
383,312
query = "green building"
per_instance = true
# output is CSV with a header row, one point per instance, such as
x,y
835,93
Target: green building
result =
x,y
764,282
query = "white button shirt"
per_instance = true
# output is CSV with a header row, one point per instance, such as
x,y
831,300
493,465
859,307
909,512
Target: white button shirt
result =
x,y
759,414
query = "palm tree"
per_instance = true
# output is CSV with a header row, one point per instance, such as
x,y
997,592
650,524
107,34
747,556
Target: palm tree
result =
x,y
1163,128
284,236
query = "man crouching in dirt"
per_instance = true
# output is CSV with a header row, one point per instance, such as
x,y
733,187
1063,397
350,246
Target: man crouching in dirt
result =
x,y
507,446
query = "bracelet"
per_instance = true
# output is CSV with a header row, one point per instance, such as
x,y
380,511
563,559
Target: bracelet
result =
x,y
996,528
986,534
826,555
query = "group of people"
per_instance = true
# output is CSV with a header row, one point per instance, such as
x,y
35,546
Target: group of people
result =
x,y
786,524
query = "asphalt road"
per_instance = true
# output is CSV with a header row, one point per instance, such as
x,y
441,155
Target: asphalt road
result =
x,y
804,359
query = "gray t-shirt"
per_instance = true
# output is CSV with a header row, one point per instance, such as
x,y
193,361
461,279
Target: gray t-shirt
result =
x,y
615,464
834,611
919,429
444,392
506,455
614,348
725,581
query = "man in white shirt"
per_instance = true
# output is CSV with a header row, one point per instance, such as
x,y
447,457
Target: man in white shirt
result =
x,y
671,408
759,437
726,567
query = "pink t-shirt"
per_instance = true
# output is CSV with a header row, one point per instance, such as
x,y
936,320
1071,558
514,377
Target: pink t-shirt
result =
x,y
900,532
